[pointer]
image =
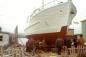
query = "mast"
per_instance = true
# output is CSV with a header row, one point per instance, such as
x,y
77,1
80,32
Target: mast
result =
x,y
42,4
69,0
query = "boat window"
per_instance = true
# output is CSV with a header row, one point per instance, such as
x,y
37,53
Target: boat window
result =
x,y
61,2
60,10
72,12
1,37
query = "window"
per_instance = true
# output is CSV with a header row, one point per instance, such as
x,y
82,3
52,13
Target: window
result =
x,y
1,37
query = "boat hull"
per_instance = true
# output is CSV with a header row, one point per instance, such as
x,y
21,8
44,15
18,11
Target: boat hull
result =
x,y
49,38
50,24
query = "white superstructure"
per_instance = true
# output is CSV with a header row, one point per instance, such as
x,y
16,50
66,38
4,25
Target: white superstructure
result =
x,y
51,19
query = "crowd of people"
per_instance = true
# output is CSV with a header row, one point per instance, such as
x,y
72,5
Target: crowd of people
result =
x,y
35,45
67,43
60,44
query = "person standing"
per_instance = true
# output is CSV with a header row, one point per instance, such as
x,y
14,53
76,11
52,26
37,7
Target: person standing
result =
x,y
68,44
75,41
59,45
80,40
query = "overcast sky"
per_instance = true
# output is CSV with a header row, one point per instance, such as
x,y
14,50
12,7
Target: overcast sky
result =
x,y
15,12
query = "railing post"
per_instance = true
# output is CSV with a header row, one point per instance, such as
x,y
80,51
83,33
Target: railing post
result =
x,y
1,51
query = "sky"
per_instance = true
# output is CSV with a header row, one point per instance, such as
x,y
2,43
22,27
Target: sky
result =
x,y
16,12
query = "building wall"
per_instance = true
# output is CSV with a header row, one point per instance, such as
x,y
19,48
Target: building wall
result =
x,y
84,29
5,39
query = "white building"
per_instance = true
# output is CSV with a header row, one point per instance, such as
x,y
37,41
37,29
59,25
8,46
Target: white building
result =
x,y
4,38
84,29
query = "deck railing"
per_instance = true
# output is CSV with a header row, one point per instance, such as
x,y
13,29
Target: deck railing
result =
x,y
12,52
20,52
50,4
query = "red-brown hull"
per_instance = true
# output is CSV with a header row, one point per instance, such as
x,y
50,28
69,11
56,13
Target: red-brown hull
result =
x,y
50,38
